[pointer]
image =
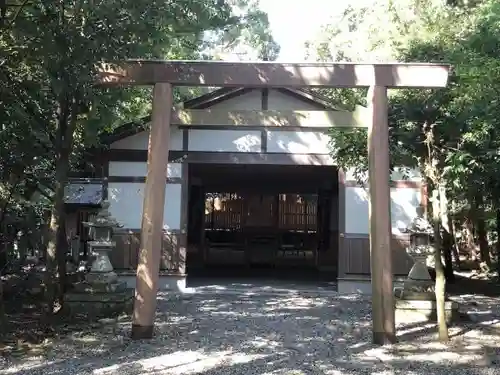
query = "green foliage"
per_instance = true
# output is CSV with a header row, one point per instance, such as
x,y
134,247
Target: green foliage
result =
x,y
463,117
49,105
249,39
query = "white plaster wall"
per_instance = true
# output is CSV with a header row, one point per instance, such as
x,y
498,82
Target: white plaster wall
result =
x,y
276,101
297,142
402,173
404,202
140,141
250,101
140,169
224,140
280,101
126,200
399,174
237,141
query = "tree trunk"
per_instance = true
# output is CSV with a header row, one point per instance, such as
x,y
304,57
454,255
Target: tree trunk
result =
x,y
54,269
484,249
62,251
22,246
3,252
2,307
454,248
469,237
482,235
440,276
447,255
498,243
57,246
44,243
3,228
3,264
447,240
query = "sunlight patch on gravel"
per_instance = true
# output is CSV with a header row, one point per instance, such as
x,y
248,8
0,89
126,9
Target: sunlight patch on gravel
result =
x,y
179,363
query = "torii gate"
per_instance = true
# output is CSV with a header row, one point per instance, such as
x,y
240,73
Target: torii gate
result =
x,y
378,77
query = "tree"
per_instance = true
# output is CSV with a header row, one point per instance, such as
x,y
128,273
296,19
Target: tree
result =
x,y
48,55
249,39
449,135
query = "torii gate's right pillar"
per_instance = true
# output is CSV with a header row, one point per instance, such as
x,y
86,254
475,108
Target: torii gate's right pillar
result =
x,y
384,330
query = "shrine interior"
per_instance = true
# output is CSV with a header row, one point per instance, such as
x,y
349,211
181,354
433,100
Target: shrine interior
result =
x,y
261,220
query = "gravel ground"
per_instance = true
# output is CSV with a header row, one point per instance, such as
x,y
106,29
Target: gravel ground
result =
x,y
291,332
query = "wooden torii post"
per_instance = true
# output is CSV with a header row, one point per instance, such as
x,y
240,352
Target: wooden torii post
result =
x,y
377,77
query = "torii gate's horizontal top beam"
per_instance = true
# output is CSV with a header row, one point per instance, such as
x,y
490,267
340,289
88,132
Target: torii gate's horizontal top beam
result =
x,y
272,74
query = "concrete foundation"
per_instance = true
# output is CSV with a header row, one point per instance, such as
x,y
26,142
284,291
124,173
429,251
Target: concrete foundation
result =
x,y
172,282
359,285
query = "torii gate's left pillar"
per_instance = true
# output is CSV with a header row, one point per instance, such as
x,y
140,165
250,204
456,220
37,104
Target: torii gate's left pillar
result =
x,y
152,214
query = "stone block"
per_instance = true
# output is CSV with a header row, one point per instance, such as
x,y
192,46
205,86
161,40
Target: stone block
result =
x,y
108,325
100,297
101,277
103,304
427,309
85,287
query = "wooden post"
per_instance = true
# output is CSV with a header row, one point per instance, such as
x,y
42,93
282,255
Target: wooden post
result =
x,y
152,214
380,218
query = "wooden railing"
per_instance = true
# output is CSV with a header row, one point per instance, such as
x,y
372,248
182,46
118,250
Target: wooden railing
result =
x,y
230,212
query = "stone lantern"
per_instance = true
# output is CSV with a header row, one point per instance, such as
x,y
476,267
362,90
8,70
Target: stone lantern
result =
x,y
419,284
101,293
417,296
101,232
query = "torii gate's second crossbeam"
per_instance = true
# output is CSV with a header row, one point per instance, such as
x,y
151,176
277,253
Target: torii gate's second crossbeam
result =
x,y
165,74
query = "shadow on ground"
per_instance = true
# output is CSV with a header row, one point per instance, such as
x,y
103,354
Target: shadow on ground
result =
x,y
285,333
486,287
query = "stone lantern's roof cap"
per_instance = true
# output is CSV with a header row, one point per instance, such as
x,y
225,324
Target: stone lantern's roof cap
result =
x,y
421,226
103,218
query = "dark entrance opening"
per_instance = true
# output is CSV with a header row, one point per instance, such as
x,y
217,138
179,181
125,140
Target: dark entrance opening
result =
x,y
262,220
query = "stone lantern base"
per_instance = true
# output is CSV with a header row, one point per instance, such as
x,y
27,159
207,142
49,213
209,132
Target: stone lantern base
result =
x,y
418,284
100,298
103,304
101,294
417,296
426,309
